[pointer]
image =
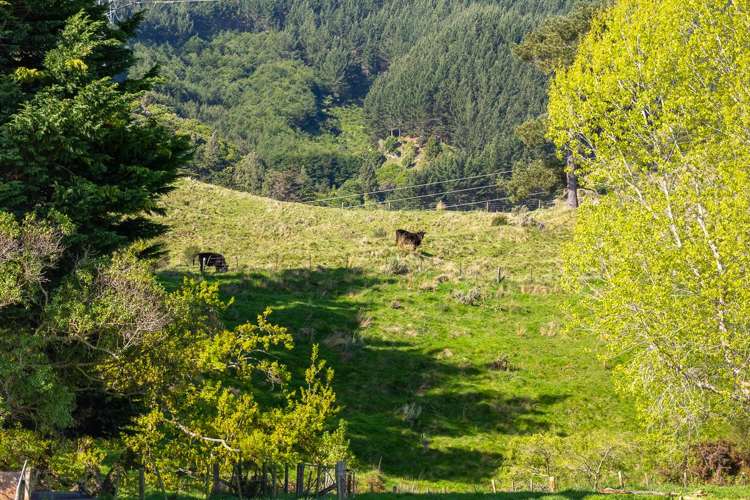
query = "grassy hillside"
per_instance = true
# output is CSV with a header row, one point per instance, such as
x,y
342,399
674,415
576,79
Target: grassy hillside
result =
x,y
438,365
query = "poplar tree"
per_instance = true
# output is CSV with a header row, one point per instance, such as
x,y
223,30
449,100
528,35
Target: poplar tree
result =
x,y
656,109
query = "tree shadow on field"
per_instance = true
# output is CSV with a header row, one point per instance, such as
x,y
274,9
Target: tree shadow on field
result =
x,y
515,495
396,397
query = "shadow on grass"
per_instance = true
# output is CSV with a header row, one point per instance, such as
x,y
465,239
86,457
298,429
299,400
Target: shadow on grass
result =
x,y
396,397
517,495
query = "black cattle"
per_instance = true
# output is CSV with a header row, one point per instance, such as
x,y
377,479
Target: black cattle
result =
x,y
209,259
408,240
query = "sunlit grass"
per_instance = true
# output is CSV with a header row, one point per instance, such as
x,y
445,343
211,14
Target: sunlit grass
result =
x,y
413,356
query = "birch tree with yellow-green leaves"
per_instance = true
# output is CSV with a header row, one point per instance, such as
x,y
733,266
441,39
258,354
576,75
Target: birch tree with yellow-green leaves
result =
x,y
656,109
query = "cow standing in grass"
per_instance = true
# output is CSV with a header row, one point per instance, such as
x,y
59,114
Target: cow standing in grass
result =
x,y
408,240
209,259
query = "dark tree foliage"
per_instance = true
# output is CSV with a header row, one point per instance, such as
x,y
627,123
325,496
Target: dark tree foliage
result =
x,y
265,74
554,43
551,46
462,84
70,142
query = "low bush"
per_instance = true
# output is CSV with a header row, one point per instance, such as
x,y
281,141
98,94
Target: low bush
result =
x,y
471,297
716,462
500,220
396,266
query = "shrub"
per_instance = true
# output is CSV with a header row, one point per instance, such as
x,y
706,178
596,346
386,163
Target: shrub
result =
x,y
396,266
391,144
433,148
501,364
471,297
717,461
410,156
375,482
500,220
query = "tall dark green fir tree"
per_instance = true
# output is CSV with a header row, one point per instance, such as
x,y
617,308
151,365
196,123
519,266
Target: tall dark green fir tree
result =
x,y
72,139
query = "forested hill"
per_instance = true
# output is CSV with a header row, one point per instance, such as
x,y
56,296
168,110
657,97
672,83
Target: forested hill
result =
x,y
295,98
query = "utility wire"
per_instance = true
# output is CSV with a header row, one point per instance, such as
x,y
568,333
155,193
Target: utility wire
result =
x,y
312,200
114,7
387,202
489,201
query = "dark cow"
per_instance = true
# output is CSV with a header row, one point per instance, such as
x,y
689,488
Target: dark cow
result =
x,y
209,259
407,240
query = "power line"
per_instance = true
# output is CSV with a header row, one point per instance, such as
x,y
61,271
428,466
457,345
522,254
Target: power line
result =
x,y
312,200
114,6
488,201
387,202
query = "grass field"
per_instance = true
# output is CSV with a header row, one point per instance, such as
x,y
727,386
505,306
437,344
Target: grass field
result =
x,y
439,363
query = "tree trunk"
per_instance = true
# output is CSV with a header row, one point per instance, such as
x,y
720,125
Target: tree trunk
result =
x,y
572,182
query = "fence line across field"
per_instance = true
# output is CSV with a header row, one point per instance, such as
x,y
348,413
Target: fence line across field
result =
x,y
401,188
395,200
488,201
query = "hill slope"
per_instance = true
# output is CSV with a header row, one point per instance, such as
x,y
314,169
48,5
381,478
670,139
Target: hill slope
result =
x,y
413,338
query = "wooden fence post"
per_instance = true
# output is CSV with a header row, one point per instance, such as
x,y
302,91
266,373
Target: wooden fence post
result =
x,y
274,491
24,486
494,489
141,484
286,479
300,485
341,480
317,480
619,477
552,484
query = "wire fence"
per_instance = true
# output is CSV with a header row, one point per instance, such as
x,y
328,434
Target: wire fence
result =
x,y
403,188
486,196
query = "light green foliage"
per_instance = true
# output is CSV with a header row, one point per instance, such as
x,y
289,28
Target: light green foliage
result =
x,y
390,145
591,459
31,389
531,178
550,47
18,445
432,148
655,108
209,400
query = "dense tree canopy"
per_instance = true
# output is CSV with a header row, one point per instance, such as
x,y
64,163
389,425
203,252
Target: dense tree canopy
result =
x,y
271,77
655,108
70,143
